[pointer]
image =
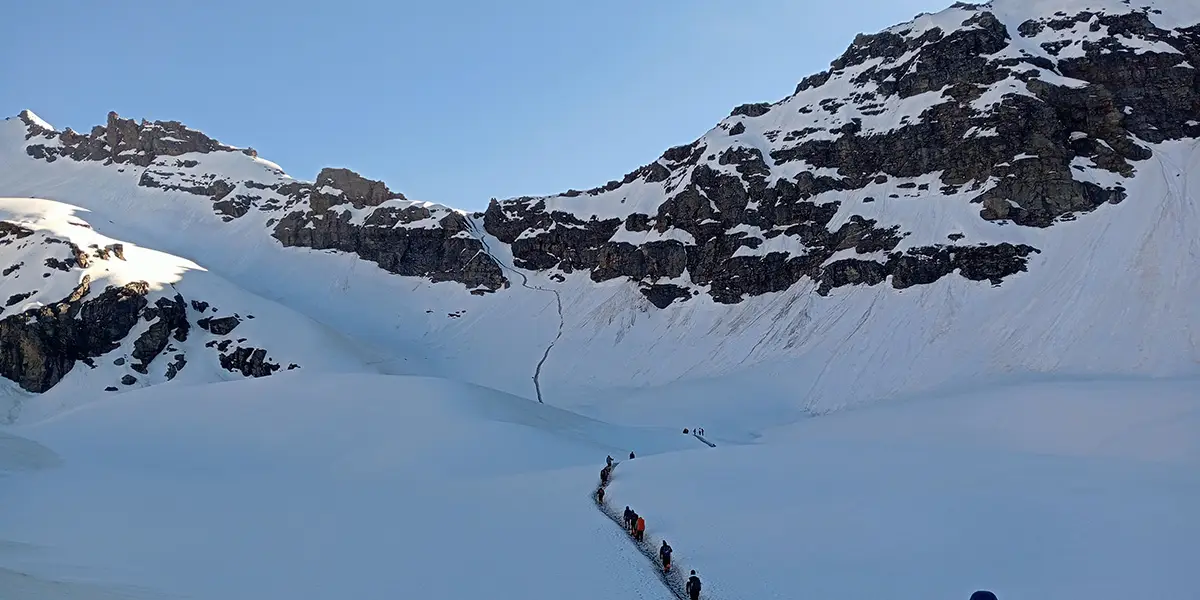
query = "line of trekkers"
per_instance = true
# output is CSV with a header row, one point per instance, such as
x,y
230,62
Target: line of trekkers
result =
x,y
635,524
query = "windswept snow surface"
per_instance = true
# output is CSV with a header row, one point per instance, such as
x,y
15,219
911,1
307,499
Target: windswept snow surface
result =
x,y
300,487
370,486
1071,491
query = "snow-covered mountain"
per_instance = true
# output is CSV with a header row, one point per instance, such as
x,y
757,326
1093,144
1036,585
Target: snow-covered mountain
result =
x,y
89,312
989,192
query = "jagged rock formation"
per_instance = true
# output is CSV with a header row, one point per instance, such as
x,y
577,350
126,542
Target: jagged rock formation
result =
x,y
121,141
350,213
88,302
40,346
953,146
1031,121
341,210
782,192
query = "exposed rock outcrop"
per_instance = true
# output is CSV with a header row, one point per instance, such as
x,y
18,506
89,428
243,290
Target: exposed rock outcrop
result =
x,y
743,211
122,141
250,362
40,346
350,213
170,320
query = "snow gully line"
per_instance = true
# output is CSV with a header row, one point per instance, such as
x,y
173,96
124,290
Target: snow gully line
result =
x,y
537,372
673,579
703,439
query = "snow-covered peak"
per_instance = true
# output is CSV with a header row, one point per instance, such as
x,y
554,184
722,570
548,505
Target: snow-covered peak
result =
x,y
960,185
32,120
914,150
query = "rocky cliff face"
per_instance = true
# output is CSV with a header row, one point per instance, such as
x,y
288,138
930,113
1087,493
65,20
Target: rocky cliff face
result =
x,y
350,213
956,145
79,300
1016,118
341,210
1032,122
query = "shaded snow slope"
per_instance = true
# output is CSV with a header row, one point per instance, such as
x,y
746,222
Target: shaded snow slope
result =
x,y
991,192
1082,491
321,486
88,314
315,487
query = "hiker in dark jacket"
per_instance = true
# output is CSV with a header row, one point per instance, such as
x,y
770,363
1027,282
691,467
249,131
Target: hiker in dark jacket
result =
x,y
633,517
609,460
604,474
600,495
628,518
664,554
693,587
630,456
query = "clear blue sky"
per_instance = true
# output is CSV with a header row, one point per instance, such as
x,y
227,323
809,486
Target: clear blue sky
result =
x,y
452,101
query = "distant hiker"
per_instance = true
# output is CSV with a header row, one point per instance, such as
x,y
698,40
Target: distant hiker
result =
x,y
628,518
700,431
609,460
685,430
633,519
640,529
630,456
664,553
693,587
600,495
983,595
604,475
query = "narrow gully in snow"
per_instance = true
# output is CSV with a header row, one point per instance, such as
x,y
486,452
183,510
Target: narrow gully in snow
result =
x,y
537,372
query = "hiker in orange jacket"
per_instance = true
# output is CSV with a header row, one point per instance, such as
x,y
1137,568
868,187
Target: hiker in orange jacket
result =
x,y
640,528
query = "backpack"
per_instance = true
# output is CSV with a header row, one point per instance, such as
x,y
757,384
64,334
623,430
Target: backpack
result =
x,y
693,584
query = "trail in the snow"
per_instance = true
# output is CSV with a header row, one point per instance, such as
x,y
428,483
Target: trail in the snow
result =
x,y
537,372
704,439
673,579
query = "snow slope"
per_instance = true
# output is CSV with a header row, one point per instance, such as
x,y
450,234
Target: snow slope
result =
x,y
42,264
1105,296
1080,491
1108,290
293,487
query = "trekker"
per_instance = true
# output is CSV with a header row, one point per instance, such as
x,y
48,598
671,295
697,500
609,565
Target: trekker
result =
x,y
631,456
693,586
664,553
600,495
609,461
604,475
640,528
628,518
633,519
983,595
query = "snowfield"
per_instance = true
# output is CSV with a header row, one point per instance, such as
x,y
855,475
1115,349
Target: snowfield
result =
x,y
303,487
315,487
377,432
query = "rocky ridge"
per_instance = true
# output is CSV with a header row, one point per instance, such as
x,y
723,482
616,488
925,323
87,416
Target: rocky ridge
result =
x,y
1026,120
1033,122
341,210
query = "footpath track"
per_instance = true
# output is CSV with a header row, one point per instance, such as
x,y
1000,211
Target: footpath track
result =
x,y
674,580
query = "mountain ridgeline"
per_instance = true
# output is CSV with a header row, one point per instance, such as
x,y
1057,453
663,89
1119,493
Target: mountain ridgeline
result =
x,y
952,146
